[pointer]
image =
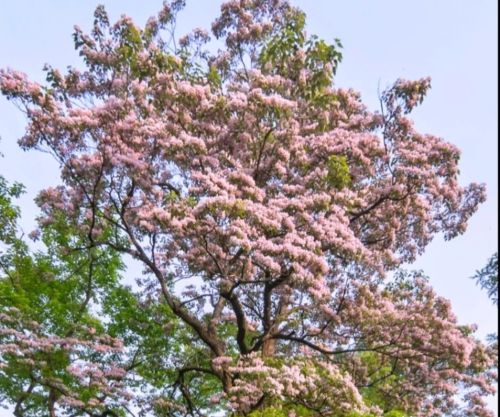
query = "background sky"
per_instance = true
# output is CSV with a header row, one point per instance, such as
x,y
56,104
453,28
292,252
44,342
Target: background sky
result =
x,y
453,41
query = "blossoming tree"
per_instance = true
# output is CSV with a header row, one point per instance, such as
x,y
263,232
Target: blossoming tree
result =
x,y
267,207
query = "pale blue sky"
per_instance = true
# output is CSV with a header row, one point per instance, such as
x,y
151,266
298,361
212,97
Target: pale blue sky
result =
x,y
453,41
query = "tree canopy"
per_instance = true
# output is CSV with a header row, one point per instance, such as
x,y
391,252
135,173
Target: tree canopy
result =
x,y
270,210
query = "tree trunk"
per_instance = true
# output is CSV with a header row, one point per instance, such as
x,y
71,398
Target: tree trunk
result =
x,y
268,348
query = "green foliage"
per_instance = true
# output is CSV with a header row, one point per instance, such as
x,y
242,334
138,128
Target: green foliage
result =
x,y
9,213
318,55
283,411
214,78
381,371
395,413
338,172
148,329
284,44
487,278
269,412
55,288
290,51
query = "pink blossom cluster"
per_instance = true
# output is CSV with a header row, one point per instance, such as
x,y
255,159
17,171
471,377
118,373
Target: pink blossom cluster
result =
x,y
319,385
26,343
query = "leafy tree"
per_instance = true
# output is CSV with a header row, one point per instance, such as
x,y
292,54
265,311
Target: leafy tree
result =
x,y
266,207
50,341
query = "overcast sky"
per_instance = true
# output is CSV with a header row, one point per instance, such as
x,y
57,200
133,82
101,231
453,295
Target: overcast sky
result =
x,y
453,41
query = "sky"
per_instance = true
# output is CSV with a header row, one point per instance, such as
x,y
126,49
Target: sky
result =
x,y
452,41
